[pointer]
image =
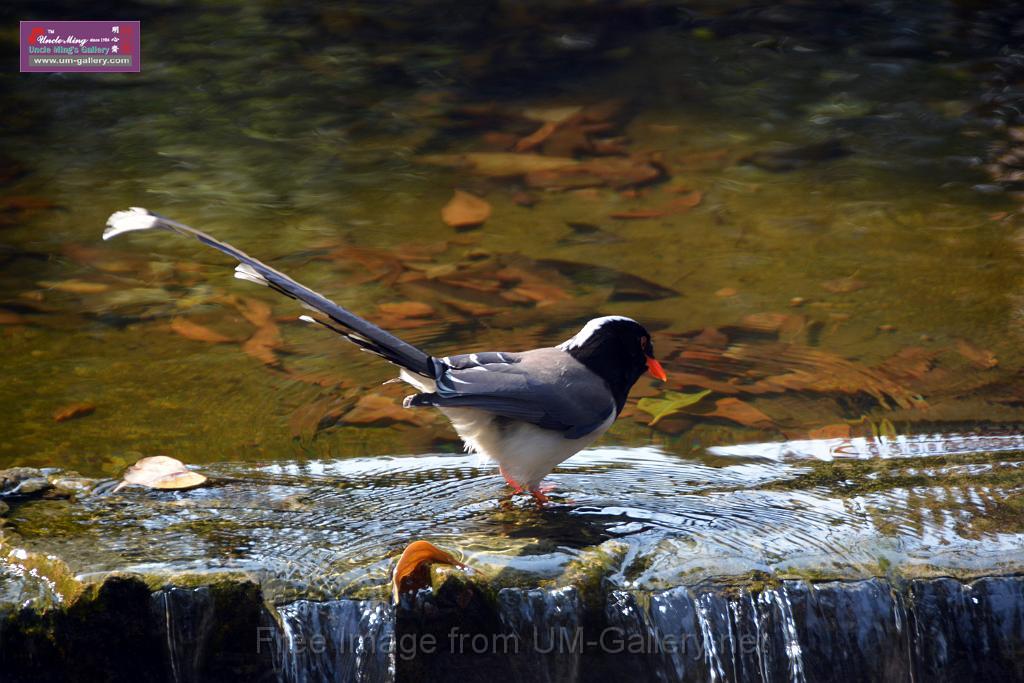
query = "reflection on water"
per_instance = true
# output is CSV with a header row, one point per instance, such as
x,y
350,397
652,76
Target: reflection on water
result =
x,y
789,195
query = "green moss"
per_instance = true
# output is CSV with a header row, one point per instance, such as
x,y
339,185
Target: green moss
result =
x,y
587,573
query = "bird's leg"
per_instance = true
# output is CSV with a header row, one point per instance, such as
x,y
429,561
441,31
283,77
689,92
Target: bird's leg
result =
x,y
538,494
510,481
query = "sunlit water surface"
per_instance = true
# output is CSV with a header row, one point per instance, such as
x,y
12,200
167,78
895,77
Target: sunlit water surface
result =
x,y
885,285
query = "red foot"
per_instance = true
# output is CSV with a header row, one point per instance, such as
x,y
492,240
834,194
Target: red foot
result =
x,y
538,494
510,481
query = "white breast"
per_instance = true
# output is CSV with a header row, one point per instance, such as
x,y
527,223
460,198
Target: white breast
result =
x,y
526,452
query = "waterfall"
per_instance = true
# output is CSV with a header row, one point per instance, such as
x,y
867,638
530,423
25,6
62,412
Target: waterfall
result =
x,y
774,632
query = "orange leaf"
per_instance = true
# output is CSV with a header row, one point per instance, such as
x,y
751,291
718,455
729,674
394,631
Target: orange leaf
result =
x,y
407,309
537,137
195,332
413,569
982,358
689,201
743,413
844,285
72,411
465,210
638,213
262,343
257,312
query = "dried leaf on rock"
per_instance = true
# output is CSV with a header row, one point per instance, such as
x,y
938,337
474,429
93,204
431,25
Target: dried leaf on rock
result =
x,y
161,472
413,569
465,210
672,403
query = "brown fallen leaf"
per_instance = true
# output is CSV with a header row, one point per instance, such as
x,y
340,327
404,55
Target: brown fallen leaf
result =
x,y
72,411
499,164
465,210
775,367
315,416
525,199
413,569
161,472
688,201
637,214
190,330
538,292
407,309
616,172
262,343
536,138
76,286
569,140
836,431
738,411
374,408
499,141
981,358
678,205
256,312
844,285
11,318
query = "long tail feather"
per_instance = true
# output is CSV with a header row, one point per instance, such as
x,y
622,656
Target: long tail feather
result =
x,y
363,333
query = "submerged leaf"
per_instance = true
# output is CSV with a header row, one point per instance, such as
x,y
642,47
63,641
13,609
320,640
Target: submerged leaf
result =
x,y
981,358
672,403
196,332
413,569
465,210
72,411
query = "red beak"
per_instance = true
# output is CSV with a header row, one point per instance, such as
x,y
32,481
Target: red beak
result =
x,y
654,367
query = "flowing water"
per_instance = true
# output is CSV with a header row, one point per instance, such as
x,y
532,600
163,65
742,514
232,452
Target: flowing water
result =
x,y
829,246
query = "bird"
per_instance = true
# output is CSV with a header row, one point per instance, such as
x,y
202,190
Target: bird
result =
x,y
527,411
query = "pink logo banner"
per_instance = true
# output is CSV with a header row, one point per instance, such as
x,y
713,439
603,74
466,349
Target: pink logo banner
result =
x,y
80,46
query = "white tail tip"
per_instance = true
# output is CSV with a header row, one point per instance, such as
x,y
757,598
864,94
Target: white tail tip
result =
x,y
243,271
135,218
307,319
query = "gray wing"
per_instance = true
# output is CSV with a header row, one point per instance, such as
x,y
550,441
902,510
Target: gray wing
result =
x,y
545,387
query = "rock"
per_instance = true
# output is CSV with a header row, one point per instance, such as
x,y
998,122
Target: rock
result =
x,y
13,479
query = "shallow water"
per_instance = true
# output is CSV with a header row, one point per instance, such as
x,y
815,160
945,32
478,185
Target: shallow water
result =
x,y
894,269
